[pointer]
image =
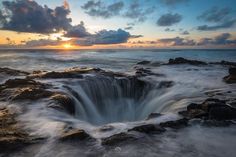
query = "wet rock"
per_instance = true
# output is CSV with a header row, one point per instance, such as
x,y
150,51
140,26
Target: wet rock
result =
x,y
13,72
117,138
31,94
222,113
148,128
63,102
231,78
145,72
181,60
143,62
23,89
11,135
177,124
154,115
14,83
225,63
69,73
74,134
213,109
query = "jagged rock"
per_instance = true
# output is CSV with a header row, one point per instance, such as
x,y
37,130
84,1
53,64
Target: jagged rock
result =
x,y
11,135
31,94
148,128
222,113
153,115
63,102
74,134
213,109
13,72
177,124
16,83
23,89
145,72
231,78
117,138
181,60
143,62
225,63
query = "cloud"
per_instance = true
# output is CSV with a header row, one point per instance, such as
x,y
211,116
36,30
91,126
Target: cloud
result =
x,y
177,41
42,42
129,28
173,2
29,16
215,14
78,31
219,16
185,33
169,19
99,9
169,30
226,24
106,37
137,12
222,39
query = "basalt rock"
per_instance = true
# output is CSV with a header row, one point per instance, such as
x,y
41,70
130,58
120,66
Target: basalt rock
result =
x,y
181,60
145,72
210,109
31,94
231,78
177,124
149,128
13,72
23,89
117,138
153,115
143,62
63,102
12,137
227,63
74,134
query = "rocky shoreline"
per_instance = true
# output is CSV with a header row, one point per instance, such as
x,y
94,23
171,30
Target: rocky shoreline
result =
x,y
211,112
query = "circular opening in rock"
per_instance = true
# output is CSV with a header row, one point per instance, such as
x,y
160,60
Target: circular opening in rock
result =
x,y
101,100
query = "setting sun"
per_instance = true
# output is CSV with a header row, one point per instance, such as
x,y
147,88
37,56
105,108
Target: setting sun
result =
x,y
67,46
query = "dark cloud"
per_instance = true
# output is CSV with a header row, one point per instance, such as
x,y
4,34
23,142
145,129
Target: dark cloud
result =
x,y
106,37
29,16
131,24
177,41
169,19
222,39
221,17
215,14
173,2
185,33
169,30
138,12
78,31
99,9
129,28
226,24
42,42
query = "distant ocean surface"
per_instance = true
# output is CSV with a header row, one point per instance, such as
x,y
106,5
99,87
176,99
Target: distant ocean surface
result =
x,y
121,60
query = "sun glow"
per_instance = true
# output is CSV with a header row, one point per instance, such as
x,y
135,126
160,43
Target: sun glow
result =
x,y
67,46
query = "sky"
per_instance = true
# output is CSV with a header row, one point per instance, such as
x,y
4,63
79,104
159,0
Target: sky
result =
x,y
86,24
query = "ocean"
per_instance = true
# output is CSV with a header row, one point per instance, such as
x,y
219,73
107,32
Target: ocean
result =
x,y
107,104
